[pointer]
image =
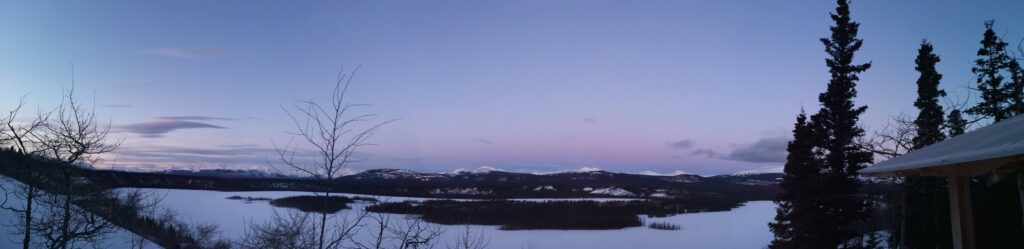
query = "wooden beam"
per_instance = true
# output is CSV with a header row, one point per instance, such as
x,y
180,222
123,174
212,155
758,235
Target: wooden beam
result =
x,y
960,212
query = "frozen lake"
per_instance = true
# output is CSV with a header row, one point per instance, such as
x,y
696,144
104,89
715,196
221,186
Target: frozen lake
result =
x,y
743,227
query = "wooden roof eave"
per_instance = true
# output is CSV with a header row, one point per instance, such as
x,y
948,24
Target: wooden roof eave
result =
x,y
974,168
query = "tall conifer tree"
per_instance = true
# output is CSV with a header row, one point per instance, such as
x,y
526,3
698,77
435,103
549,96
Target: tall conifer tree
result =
x,y
836,130
997,100
796,211
931,117
926,224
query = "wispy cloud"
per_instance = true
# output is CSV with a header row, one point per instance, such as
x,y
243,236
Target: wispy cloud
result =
x,y
167,157
681,144
185,53
483,141
765,150
590,120
204,118
705,152
160,126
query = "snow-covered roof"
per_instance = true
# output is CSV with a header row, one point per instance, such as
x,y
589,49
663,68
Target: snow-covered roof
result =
x,y
972,153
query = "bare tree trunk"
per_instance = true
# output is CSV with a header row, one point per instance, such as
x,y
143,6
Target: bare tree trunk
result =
x,y
66,219
323,218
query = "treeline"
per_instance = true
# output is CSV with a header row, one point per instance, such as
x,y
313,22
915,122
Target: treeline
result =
x,y
520,215
314,204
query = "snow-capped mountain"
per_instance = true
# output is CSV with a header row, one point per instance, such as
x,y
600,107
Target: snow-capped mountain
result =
x,y
480,170
774,170
652,173
394,174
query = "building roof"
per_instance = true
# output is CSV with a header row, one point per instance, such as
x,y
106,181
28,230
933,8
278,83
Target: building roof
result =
x,y
971,153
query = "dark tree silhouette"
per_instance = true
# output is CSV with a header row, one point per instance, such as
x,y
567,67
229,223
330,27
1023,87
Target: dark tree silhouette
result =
x,y
836,130
998,96
930,119
926,207
955,123
797,202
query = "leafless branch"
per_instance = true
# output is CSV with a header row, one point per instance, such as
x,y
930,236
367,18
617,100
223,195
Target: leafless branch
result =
x,y
73,134
894,139
469,239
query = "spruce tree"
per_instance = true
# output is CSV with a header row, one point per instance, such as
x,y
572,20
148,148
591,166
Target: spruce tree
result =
x,y
797,210
1000,99
925,223
929,120
996,94
955,124
836,130
1016,88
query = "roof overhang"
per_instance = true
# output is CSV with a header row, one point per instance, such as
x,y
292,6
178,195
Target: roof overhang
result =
x,y
997,147
973,168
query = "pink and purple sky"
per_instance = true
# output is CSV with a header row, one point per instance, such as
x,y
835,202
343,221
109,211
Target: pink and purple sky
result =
x,y
707,87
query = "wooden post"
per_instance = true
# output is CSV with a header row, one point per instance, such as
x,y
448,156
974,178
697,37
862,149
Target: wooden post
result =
x,y
960,212
1020,192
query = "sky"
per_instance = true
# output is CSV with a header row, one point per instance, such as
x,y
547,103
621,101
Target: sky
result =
x,y
706,87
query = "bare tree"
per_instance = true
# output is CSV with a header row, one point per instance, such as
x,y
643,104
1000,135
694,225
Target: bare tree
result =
x,y
291,230
139,203
346,229
414,233
333,132
295,229
470,240
377,236
62,225
21,135
73,136
894,139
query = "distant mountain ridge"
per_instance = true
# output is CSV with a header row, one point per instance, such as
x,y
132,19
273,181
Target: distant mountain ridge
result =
x,y
230,173
394,173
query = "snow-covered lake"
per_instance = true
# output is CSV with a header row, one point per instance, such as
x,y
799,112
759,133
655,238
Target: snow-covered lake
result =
x,y
743,227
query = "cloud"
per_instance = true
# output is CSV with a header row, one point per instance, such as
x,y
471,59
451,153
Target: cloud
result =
x,y
185,53
160,126
704,152
681,144
765,150
590,120
483,141
168,157
204,118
